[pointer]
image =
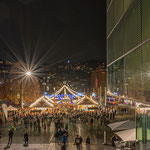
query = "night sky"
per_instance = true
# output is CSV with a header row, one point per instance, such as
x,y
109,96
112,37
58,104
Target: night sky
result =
x,y
52,30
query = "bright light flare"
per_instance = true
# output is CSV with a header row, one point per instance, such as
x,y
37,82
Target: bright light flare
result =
x,y
28,73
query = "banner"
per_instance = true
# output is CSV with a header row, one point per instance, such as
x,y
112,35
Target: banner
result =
x,y
5,110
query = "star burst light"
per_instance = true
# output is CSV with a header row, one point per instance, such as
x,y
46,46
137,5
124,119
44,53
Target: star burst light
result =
x,y
24,74
28,73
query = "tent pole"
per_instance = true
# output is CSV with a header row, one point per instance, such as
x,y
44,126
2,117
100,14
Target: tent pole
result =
x,y
105,141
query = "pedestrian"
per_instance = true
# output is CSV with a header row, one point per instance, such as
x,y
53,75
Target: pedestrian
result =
x,y
42,121
26,138
81,140
10,134
64,139
35,125
114,138
88,140
77,142
56,135
44,127
63,147
66,127
31,124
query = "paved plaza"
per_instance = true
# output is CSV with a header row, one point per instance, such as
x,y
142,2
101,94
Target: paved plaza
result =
x,y
46,140
53,146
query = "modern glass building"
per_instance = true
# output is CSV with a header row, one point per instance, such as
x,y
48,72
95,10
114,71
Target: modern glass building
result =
x,y
128,56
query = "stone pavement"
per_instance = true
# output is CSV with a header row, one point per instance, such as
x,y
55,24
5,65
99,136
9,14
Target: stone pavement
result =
x,y
53,146
71,146
30,147
41,142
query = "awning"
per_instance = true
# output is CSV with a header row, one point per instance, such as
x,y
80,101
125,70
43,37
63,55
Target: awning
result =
x,y
122,125
127,135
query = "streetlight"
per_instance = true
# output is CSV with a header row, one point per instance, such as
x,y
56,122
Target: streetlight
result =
x,y
27,74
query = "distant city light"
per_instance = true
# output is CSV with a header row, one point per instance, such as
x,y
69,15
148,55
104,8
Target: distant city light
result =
x,y
68,61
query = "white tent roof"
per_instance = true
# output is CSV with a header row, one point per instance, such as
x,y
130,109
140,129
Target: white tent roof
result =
x,y
86,100
127,135
11,108
42,102
122,125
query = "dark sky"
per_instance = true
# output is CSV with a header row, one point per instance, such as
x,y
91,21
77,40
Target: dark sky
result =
x,y
52,30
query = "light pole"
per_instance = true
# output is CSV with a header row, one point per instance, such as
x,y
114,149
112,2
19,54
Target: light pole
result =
x,y
27,74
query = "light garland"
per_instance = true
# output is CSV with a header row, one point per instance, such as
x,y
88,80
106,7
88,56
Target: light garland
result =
x,y
65,87
49,99
57,92
39,100
88,99
72,92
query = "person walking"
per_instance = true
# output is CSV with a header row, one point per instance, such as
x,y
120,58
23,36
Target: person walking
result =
x,y
81,140
35,125
26,139
64,139
44,126
10,134
31,124
56,135
77,142
88,140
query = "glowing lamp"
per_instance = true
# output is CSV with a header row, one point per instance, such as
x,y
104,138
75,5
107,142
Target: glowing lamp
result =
x,y
28,73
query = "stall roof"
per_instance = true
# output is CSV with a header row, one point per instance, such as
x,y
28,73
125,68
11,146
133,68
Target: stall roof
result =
x,y
86,101
122,125
127,135
41,103
11,108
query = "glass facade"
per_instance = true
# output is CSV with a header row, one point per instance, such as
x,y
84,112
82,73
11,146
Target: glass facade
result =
x,y
128,48
128,55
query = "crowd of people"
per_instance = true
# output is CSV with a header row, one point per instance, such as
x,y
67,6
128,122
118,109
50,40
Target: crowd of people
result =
x,y
61,133
41,123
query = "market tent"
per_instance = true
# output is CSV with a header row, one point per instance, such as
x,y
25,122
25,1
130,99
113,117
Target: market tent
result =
x,y
11,108
41,103
86,101
127,135
122,125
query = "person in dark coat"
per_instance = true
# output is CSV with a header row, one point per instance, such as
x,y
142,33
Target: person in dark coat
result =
x,y
81,140
10,134
64,139
88,140
26,139
77,142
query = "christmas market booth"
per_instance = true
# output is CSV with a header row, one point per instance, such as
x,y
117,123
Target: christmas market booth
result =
x,y
42,104
87,104
11,112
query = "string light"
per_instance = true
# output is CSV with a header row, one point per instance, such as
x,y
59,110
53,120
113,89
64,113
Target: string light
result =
x,y
82,99
49,99
39,100
65,87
